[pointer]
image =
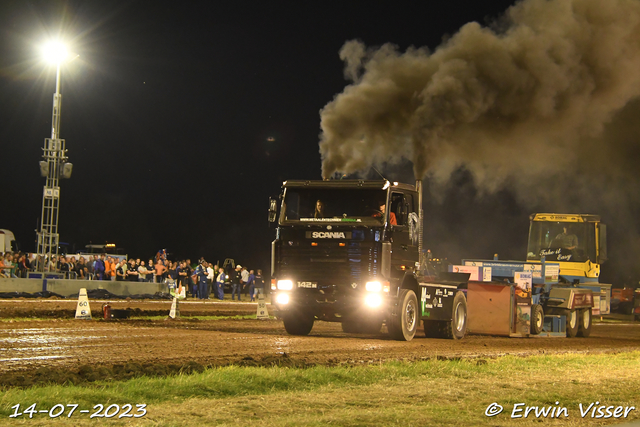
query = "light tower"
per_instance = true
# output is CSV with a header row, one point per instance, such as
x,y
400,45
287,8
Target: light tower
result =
x,y
53,167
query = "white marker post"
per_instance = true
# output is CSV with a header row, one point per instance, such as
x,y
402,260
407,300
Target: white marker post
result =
x,y
262,308
174,313
83,311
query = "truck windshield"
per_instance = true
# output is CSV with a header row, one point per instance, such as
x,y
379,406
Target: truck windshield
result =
x,y
333,205
560,241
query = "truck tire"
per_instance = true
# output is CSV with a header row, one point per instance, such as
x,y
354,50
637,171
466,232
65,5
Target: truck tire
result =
x,y
456,328
584,321
298,323
432,328
572,323
537,319
405,319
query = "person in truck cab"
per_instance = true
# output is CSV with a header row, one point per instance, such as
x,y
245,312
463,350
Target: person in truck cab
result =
x,y
566,240
320,210
381,213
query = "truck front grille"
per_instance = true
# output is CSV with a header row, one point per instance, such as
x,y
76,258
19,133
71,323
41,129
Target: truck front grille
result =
x,y
328,263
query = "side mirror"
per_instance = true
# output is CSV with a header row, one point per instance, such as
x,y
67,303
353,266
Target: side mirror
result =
x,y
602,243
273,209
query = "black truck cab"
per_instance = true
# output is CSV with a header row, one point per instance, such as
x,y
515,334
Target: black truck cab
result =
x,y
347,251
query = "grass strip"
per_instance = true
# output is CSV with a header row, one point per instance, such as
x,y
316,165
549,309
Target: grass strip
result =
x,y
449,392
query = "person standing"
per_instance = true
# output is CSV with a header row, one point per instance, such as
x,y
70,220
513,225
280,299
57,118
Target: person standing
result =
x,y
142,272
201,276
182,277
189,282
259,283
132,271
109,269
121,271
72,267
150,271
64,266
211,279
220,283
98,268
160,271
250,285
91,261
245,280
81,269
172,272
236,283
52,264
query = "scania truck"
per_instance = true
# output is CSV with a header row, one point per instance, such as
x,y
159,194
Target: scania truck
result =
x,y
349,251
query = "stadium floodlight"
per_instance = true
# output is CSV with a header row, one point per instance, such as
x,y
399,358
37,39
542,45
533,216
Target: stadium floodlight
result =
x,y
55,52
54,166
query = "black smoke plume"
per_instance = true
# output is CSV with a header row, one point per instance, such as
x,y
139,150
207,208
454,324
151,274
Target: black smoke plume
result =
x,y
542,103
511,102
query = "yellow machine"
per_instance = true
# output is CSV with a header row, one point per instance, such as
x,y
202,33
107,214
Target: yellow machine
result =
x,y
577,242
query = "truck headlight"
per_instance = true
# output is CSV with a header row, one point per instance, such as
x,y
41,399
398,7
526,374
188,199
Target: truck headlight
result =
x,y
377,286
285,285
373,300
282,298
373,286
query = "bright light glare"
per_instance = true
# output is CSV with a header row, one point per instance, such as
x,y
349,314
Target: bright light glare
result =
x,y
285,285
282,299
54,52
373,300
373,286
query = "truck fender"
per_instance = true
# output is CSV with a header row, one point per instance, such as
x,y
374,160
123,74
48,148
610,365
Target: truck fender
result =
x,y
408,281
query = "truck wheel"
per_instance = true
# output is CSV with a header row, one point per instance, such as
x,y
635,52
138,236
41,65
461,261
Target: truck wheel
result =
x,y
537,319
584,320
404,323
298,323
457,326
572,323
432,328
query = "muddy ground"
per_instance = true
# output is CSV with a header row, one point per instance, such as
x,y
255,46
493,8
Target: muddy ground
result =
x,y
60,349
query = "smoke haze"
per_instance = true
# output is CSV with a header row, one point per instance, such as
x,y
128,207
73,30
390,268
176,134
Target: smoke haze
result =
x,y
541,104
511,102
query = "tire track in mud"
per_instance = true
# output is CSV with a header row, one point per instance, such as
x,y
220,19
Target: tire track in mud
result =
x,y
69,351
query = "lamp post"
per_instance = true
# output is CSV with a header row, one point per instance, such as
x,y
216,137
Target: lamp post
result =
x,y
53,167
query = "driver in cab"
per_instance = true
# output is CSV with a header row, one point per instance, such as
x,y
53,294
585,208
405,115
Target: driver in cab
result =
x,y
320,210
381,213
566,240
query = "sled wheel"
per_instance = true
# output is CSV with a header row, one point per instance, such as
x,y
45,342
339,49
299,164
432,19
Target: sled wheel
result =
x,y
584,321
457,327
572,323
537,319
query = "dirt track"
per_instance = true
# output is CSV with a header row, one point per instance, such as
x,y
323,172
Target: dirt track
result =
x,y
63,349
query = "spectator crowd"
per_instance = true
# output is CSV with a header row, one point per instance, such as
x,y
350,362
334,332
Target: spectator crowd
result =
x,y
202,280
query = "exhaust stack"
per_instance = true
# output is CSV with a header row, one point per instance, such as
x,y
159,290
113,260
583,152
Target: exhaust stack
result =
x,y
420,223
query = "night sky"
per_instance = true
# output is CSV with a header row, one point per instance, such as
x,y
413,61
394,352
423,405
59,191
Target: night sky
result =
x,y
182,118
